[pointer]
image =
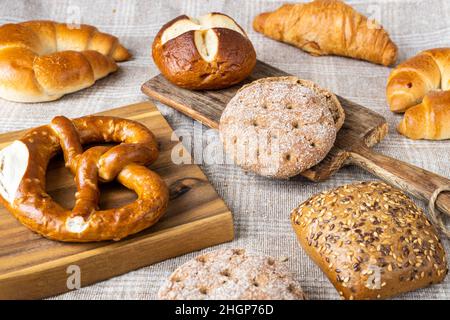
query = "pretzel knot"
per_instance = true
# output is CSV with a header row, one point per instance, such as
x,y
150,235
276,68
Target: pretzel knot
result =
x,y
126,161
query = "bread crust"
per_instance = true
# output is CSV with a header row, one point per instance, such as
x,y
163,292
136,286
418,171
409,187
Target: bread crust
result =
x,y
43,60
180,61
370,240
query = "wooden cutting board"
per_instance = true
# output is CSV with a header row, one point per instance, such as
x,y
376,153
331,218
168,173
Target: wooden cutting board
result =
x,y
34,267
362,129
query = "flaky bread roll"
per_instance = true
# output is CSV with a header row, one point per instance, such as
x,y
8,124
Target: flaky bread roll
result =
x,y
43,60
411,80
429,119
328,27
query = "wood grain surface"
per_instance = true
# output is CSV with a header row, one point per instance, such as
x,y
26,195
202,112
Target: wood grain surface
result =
x,y
34,267
362,129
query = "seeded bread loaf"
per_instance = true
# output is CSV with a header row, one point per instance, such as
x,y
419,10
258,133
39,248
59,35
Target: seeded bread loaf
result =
x,y
370,240
231,274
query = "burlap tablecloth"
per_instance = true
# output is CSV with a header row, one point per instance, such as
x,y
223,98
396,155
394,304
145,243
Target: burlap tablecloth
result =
x,y
261,207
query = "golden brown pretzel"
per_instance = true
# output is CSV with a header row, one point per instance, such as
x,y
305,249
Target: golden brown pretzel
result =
x,y
23,171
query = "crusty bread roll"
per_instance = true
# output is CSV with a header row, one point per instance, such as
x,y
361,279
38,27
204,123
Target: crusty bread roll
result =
x,y
411,80
212,52
370,240
280,126
328,27
429,119
43,60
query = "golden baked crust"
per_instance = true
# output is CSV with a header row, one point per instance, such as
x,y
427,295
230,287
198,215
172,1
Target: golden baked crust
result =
x,y
23,174
429,119
370,240
280,126
324,27
415,77
184,59
43,60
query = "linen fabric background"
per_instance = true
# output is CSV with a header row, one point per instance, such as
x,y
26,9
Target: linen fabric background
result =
x,y
261,206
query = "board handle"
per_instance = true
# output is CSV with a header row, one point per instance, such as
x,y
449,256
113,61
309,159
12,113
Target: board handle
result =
x,y
414,180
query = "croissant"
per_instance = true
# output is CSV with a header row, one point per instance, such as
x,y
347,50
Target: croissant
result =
x,y
429,119
328,27
411,80
43,60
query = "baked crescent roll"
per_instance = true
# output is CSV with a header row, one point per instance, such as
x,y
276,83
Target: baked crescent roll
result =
x,y
328,27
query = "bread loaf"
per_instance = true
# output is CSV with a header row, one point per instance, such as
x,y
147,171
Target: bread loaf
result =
x,y
370,240
211,52
44,60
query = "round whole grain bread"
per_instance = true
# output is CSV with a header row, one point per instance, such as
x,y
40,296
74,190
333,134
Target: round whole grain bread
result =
x,y
231,274
280,126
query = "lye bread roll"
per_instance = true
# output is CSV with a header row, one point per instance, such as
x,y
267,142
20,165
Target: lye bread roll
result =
x,y
211,52
44,60
370,240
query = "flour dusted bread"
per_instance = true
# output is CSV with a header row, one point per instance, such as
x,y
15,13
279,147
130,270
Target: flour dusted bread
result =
x,y
44,60
370,240
231,274
211,52
324,27
420,87
280,126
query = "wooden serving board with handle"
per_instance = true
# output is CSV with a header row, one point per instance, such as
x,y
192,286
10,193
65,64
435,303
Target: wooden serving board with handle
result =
x,y
362,129
34,267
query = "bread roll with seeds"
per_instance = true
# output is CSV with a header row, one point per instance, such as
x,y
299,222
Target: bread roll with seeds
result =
x,y
231,274
370,240
280,126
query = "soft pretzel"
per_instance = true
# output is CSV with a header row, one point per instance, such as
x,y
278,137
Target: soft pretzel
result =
x,y
411,80
44,60
324,27
23,172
